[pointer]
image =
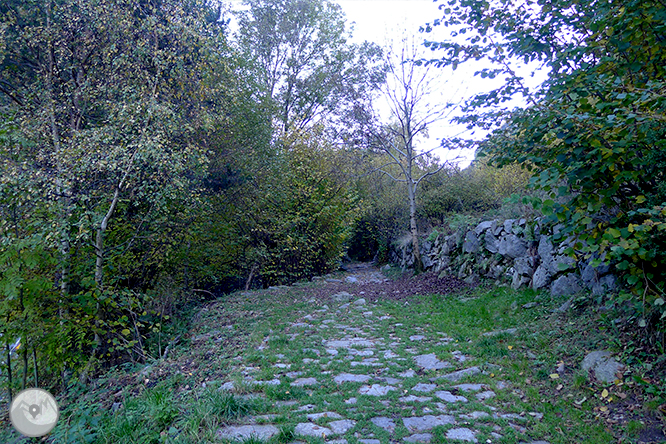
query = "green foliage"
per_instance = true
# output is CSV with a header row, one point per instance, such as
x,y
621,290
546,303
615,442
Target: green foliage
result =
x,y
594,132
306,68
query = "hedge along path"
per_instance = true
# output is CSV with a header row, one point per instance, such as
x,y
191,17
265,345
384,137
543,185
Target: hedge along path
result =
x,y
345,370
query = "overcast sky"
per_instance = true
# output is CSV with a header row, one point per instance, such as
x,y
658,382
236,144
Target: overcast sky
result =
x,y
383,20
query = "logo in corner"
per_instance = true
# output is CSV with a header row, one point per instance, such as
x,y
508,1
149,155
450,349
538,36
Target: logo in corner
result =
x,y
34,412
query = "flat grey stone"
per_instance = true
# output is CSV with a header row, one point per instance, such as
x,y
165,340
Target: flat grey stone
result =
x,y
369,441
604,367
333,441
430,362
389,380
301,325
348,343
332,351
293,375
476,415
469,387
460,374
450,397
370,362
508,331
310,429
389,354
302,382
343,426
271,382
418,437
352,279
366,352
246,431
359,302
463,434
306,408
330,415
375,390
421,387
384,423
485,395
417,338
421,423
412,398
407,373
530,305
459,356
351,401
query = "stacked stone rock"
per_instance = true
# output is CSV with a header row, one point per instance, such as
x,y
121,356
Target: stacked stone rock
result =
x,y
515,251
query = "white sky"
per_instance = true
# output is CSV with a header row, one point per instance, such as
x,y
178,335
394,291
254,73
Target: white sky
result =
x,y
381,21
384,20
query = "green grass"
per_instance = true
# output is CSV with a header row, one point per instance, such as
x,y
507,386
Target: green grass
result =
x,y
176,408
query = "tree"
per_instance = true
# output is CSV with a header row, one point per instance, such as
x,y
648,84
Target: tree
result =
x,y
594,132
407,91
307,69
104,99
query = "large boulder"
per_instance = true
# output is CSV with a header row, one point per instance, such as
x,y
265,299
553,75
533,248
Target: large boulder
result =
x,y
541,278
483,226
566,285
524,265
512,246
471,243
518,280
545,248
606,284
492,242
602,366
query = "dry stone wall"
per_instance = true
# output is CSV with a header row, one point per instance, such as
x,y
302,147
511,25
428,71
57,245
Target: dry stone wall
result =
x,y
517,252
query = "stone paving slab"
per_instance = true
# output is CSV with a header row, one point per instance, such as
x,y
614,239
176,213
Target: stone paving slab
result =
x,y
460,374
430,362
383,422
462,434
418,437
349,377
246,431
421,423
310,429
330,415
341,427
376,390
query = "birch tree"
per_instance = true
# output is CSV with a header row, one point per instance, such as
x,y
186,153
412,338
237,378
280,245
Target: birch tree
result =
x,y
411,98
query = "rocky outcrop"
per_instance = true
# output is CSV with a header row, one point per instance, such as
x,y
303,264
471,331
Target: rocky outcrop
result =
x,y
517,252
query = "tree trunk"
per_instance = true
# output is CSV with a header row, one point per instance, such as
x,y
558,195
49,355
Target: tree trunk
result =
x,y
418,264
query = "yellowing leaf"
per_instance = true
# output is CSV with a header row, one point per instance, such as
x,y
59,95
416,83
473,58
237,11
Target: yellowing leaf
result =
x,y
603,409
640,199
604,394
125,331
510,347
554,376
